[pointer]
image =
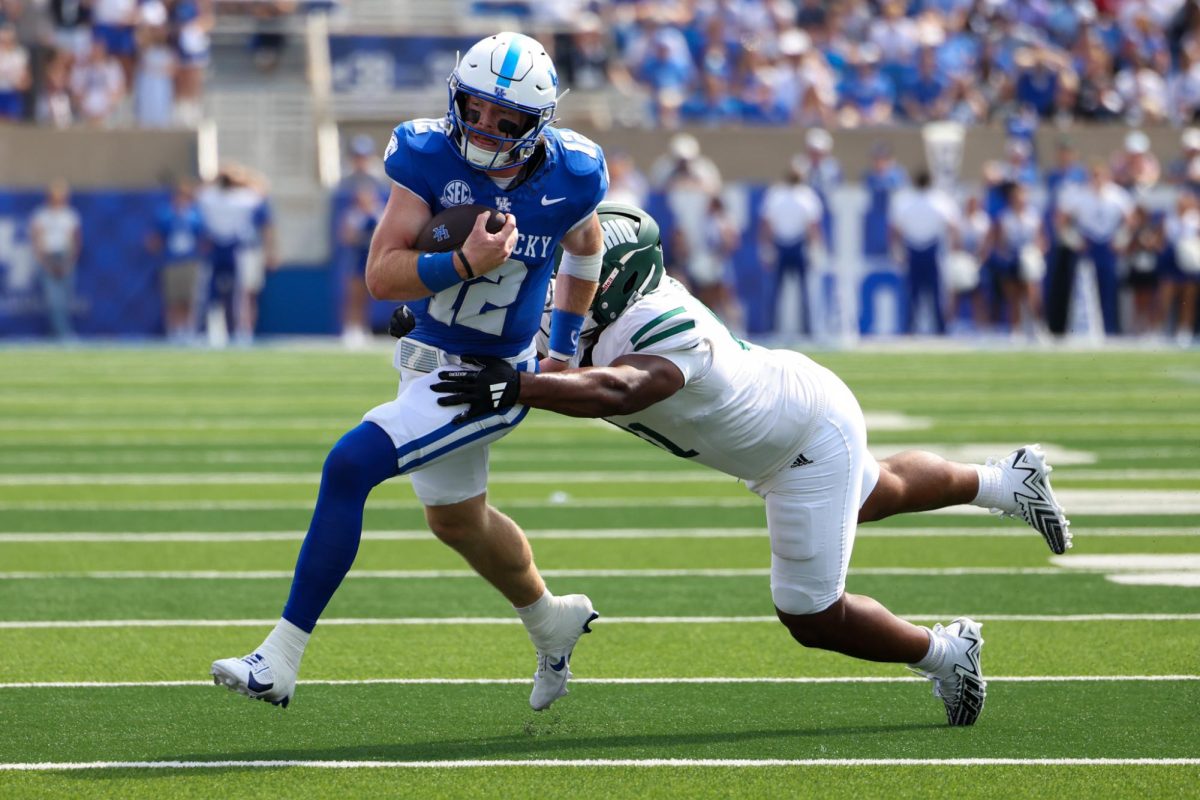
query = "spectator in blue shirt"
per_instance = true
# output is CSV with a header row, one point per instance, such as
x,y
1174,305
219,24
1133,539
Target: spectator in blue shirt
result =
x,y
925,95
357,227
883,178
866,96
958,55
1037,79
713,104
669,74
176,238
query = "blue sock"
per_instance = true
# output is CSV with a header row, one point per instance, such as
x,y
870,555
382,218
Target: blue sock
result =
x,y
361,460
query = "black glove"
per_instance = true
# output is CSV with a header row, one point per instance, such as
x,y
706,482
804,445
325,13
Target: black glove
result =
x,y
402,322
491,389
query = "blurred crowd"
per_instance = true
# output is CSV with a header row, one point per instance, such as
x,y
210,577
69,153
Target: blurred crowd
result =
x,y
851,63
124,63
1027,249
104,62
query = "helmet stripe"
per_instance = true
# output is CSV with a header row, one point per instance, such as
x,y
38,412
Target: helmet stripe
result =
x,y
509,67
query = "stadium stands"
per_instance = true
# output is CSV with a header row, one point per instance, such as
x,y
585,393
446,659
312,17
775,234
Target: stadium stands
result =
x,y
283,85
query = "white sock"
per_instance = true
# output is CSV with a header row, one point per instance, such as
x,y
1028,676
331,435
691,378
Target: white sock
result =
x,y
935,657
286,642
991,480
539,616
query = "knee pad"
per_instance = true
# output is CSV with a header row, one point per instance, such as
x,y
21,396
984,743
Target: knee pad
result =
x,y
799,601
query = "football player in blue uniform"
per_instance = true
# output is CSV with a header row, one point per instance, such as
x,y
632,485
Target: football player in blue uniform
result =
x,y
495,147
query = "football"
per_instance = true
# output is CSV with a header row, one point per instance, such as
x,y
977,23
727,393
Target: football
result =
x,y
449,228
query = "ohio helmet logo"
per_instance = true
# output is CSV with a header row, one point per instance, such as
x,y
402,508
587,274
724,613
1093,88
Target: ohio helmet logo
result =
x,y
457,193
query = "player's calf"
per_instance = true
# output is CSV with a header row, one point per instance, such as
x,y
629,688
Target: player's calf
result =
x,y
860,627
813,630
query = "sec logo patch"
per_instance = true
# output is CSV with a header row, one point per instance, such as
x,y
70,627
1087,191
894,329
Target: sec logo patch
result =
x,y
457,193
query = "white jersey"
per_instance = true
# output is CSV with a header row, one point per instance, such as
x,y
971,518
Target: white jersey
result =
x,y
743,410
790,210
56,229
1099,214
922,218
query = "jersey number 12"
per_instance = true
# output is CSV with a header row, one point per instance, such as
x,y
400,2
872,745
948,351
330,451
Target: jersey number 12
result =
x,y
497,289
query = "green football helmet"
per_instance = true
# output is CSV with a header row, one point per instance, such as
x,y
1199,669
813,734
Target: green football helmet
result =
x,y
633,259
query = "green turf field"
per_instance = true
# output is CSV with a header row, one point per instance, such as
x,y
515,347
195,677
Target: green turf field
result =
x,y
152,503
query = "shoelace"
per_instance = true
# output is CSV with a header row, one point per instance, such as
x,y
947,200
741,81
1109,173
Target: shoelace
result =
x,y
947,688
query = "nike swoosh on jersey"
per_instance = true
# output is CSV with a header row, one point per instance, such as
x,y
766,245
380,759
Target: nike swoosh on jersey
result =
x,y
546,201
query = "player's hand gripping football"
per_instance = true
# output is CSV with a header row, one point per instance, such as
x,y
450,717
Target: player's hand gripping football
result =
x,y
486,251
491,389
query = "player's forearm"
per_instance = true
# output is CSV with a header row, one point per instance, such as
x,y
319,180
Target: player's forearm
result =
x,y
573,294
590,392
393,275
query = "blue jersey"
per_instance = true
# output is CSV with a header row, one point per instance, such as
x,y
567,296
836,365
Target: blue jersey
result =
x,y
880,186
498,313
180,230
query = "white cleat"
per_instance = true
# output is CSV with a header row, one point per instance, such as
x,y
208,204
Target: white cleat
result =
x,y
554,659
1028,497
254,677
960,684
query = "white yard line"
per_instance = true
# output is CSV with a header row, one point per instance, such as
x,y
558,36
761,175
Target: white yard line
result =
x,y
620,681
867,531
374,504
497,476
314,478
430,574
50,766
1132,502
664,620
1185,578
1126,562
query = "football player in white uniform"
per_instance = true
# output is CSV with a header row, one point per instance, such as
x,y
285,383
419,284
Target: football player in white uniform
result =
x,y
660,365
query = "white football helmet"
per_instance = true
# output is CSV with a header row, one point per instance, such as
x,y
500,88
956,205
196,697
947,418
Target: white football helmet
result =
x,y
510,70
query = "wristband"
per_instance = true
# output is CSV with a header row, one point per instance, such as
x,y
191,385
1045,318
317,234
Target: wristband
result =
x,y
586,268
466,264
564,334
436,271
